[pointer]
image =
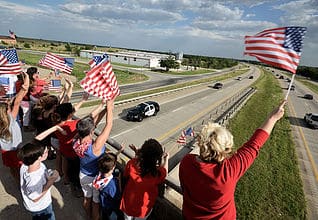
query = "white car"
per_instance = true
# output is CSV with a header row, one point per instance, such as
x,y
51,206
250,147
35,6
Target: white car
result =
x,y
311,119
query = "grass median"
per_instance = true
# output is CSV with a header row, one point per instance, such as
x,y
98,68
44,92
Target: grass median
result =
x,y
272,187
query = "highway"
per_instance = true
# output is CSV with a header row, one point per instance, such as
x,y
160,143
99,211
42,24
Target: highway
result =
x,y
177,111
306,141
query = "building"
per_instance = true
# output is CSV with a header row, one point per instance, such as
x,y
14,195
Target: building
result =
x,y
7,40
137,58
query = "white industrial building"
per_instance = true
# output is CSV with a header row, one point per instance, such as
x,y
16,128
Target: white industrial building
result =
x,y
138,58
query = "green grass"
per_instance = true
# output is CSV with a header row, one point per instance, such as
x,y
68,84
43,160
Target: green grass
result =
x,y
272,187
123,77
313,87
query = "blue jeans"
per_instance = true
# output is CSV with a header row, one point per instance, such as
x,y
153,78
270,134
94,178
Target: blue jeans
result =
x,y
45,214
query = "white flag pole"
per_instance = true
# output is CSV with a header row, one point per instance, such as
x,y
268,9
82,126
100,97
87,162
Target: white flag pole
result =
x,y
290,84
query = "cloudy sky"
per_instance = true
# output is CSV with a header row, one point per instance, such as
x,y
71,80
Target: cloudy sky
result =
x,y
202,27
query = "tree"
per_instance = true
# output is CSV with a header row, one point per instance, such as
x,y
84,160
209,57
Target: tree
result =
x,y
169,63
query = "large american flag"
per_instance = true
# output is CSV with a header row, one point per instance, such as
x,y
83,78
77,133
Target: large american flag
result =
x,y
101,81
55,85
56,62
98,59
9,62
280,47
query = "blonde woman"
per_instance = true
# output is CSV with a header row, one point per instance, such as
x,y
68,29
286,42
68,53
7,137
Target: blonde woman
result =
x,y
208,180
10,131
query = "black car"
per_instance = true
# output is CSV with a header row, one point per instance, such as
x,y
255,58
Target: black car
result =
x,y
145,109
251,77
308,96
218,86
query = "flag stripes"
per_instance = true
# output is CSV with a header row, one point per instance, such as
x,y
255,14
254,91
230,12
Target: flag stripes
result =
x,y
9,62
56,62
279,47
101,81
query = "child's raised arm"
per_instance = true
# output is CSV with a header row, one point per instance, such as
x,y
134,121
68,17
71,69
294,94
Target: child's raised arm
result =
x,y
18,98
102,138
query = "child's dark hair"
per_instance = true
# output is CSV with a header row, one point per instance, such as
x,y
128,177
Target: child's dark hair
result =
x,y
149,156
107,162
31,71
30,152
64,110
85,126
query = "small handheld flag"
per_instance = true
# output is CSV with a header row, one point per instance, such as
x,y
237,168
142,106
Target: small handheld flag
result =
x,y
56,62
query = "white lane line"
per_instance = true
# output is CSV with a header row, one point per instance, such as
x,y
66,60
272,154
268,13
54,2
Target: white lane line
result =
x,y
177,109
124,132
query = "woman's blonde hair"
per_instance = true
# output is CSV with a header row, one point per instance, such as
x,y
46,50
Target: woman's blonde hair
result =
x,y
4,122
215,143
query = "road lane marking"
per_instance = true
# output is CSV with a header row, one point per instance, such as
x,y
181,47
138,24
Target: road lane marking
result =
x,y
177,109
189,121
124,132
312,162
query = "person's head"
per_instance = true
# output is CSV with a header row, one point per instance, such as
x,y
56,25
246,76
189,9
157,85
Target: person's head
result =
x,y
32,152
48,102
149,157
5,121
33,73
215,143
107,163
85,126
65,111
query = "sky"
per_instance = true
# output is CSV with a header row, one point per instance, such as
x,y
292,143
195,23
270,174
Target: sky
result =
x,y
199,27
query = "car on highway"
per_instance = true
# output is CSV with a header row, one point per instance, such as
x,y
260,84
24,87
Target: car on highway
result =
x,y
292,88
281,77
218,86
142,110
308,96
239,78
251,77
311,119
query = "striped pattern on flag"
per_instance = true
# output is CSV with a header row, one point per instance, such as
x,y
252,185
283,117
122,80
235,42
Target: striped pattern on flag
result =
x,y
54,85
182,139
101,81
280,47
56,62
9,62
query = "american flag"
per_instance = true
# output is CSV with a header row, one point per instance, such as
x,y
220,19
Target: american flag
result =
x,y
101,81
97,60
9,62
56,62
280,47
54,85
4,83
12,35
183,137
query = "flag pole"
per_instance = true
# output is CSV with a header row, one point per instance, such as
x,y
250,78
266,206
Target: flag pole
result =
x,y
290,84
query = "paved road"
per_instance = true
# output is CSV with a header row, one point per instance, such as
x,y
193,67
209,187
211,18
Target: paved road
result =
x,y
306,142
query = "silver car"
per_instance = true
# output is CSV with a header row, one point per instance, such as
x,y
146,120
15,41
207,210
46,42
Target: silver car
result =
x,y
311,119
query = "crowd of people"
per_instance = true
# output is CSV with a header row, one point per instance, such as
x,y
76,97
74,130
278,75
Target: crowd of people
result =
x,y
208,180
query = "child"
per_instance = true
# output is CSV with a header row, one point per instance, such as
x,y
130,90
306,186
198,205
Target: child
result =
x,y
35,182
89,152
108,185
10,132
143,175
